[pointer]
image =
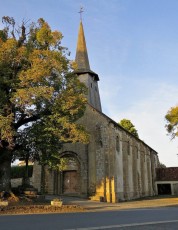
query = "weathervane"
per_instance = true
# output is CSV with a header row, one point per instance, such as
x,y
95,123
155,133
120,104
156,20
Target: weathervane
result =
x,y
80,12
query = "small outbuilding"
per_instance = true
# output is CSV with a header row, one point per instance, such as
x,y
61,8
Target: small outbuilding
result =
x,y
167,181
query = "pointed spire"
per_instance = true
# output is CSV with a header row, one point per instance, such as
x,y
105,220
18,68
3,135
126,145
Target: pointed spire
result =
x,y
81,53
85,75
81,57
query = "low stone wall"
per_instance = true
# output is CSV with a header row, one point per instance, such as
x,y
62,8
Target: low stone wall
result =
x,y
17,182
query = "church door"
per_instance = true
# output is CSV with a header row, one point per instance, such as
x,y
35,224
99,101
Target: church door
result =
x,y
70,182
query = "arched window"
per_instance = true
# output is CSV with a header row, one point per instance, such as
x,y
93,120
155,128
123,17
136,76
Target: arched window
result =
x,y
128,148
117,144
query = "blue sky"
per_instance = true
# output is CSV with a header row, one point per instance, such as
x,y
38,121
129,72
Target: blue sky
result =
x,y
133,46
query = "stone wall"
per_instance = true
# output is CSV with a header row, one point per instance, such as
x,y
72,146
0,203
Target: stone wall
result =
x,y
17,182
36,177
93,96
114,166
121,167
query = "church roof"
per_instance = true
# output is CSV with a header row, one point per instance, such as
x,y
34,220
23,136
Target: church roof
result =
x,y
120,127
81,58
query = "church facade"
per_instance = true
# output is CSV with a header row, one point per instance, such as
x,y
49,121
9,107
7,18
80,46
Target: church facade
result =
x,y
115,165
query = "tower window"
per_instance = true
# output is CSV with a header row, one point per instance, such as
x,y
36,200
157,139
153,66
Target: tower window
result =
x,y
91,85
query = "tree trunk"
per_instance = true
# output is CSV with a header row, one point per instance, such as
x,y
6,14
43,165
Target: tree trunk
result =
x,y
26,179
5,171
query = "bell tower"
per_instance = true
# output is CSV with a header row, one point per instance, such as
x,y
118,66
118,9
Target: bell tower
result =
x,y
85,74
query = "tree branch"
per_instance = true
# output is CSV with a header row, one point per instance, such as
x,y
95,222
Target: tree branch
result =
x,y
26,120
23,35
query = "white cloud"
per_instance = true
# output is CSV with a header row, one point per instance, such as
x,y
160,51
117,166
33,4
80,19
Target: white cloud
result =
x,y
147,115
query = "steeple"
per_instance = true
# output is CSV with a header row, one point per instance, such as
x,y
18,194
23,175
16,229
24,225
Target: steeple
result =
x,y
81,53
81,57
85,74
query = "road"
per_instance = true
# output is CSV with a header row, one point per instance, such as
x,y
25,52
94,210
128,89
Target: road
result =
x,y
152,218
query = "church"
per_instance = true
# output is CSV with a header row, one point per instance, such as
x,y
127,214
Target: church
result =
x,y
114,166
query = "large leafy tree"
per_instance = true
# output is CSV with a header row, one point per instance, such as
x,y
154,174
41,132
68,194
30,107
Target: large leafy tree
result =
x,y
127,124
40,97
172,121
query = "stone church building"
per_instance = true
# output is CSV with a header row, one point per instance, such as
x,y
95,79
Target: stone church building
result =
x,y
114,166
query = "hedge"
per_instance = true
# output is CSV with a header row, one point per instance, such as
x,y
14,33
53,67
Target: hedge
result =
x,y
19,171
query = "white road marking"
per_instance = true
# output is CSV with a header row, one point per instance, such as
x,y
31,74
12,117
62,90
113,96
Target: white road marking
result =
x,y
124,225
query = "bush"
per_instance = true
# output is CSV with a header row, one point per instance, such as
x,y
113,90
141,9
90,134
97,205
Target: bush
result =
x,y
19,171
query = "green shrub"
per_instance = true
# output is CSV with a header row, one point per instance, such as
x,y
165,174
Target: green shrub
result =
x,y
19,171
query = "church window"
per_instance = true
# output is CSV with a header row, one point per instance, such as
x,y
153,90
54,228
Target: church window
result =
x,y
117,144
128,148
99,135
137,152
91,85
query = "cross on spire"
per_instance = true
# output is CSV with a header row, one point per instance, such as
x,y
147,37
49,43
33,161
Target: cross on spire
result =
x,y
80,12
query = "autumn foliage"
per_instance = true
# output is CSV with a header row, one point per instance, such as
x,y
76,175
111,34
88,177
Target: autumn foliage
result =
x,y
172,122
40,97
127,124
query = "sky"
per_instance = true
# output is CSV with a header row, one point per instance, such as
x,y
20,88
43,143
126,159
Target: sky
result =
x,y
132,46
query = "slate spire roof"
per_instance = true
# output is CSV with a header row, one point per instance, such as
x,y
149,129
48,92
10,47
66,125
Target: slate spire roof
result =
x,y
81,57
81,52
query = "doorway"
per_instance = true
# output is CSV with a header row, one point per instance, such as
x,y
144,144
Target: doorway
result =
x,y
164,189
70,182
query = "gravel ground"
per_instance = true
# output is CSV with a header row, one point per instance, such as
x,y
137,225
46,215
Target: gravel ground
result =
x,y
73,204
34,209
32,206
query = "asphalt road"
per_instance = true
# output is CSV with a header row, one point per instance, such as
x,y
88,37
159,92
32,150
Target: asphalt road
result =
x,y
153,218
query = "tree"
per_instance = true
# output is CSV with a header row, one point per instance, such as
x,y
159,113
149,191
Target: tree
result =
x,y
40,97
172,122
161,165
127,124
